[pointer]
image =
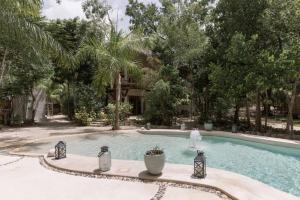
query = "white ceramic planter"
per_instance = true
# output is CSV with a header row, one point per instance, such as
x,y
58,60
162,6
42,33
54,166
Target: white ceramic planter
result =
x,y
155,163
234,128
208,126
182,126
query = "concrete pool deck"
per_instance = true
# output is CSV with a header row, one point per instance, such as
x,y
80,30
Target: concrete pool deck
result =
x,y
238,186
26,179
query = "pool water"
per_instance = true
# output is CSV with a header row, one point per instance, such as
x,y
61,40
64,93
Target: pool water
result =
x,y
276,166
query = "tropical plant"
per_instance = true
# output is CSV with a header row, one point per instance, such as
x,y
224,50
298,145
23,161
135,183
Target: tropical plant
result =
x,y
155,151
167,93
115,55
19,24
83,117
25,48
125,109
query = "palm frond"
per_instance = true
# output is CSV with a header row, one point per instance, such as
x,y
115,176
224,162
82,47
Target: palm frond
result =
x,y
22,7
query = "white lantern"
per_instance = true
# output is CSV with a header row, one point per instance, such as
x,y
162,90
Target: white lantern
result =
x,y
104,159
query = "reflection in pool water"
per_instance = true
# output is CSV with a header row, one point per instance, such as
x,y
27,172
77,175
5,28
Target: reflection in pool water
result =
x,y
276,166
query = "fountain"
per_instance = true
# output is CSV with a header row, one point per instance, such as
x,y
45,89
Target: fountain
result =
x,y
195,139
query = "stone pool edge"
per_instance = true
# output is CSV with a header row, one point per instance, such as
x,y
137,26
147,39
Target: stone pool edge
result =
x,y
252,138
235,186
206,188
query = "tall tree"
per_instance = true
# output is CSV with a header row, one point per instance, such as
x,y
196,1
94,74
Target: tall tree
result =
x,y
284,28
143,17
229,18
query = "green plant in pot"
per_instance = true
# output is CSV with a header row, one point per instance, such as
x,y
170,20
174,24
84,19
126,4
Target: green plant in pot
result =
x,y
155,160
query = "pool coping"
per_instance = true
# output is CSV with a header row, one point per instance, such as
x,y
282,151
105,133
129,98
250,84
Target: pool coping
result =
x,y
234,185
252,138
162,183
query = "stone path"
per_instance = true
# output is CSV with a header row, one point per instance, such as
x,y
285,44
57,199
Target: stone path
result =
x,y
25,179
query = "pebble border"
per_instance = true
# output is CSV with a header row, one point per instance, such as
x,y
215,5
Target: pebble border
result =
x,y
162,184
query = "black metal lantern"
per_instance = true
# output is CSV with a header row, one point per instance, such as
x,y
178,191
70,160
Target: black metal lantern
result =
x,y
60,150
200,165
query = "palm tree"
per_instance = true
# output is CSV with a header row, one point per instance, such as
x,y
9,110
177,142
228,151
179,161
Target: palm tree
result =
x,y
17,19
21,34
115,55
23,39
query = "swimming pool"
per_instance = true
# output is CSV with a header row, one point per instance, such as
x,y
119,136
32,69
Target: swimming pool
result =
x,y
276,166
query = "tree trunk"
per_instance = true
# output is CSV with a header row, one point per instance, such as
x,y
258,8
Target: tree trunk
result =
x,y
236,114
191,104
3,66
68,99
248,114
116,125
32,106
291,102
266,111
258,113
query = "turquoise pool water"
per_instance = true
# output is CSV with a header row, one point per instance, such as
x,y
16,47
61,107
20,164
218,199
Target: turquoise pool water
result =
x,y
276,166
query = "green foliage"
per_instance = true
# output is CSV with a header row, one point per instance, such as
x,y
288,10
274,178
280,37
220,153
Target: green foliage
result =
x,y
95,9
17,120
163,99
86,97
27,73
124,109
83,117
230,79
19,25
215,56
160,107
116,55
143,17
155,151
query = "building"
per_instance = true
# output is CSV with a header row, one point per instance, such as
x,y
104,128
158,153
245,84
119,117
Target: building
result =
x,y
17,109
132,91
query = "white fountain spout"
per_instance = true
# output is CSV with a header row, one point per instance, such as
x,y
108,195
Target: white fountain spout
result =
x,y
195,138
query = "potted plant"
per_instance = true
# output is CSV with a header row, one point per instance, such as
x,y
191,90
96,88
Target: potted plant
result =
x,y
234,128
208,126
155,160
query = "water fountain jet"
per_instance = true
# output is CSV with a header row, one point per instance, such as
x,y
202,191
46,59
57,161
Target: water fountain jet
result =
x,y
195,139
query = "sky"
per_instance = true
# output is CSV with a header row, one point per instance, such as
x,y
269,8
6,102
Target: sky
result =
x,y
72,8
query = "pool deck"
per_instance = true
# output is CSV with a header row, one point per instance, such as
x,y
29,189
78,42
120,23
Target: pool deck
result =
x,y
252,138
238,186
24,178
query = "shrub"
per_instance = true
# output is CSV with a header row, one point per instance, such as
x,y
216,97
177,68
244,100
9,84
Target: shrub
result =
x,y
165,96
84,118
124,110
87,97
159,108
17,120
102,115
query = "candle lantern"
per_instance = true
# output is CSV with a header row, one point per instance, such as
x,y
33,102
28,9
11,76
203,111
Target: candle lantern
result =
x,y
200,165
60,150
104,159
